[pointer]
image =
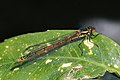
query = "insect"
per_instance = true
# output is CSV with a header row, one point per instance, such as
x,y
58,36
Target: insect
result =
x,y
42,49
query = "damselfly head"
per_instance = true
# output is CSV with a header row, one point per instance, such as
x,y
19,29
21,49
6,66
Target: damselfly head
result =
x,y
20,59
91,29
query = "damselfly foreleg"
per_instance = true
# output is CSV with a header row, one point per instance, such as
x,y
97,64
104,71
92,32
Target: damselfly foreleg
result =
x,y
90,37
79,45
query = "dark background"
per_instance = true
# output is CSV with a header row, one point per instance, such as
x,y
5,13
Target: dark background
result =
x,y
21,17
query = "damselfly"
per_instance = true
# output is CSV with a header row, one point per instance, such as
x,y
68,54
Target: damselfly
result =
x,y
44,47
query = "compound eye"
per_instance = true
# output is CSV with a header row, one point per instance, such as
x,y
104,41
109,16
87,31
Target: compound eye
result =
x,y
89,27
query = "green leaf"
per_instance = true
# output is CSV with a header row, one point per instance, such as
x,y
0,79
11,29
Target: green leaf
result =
x,y
65,63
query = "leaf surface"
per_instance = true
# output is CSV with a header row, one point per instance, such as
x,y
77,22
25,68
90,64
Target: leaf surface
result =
x,y
64,63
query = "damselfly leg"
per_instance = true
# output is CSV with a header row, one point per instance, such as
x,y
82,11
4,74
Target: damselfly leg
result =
x,y
87,33
80,46
90,37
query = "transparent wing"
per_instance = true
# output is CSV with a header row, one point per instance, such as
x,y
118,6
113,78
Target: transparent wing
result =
x,y
33,48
